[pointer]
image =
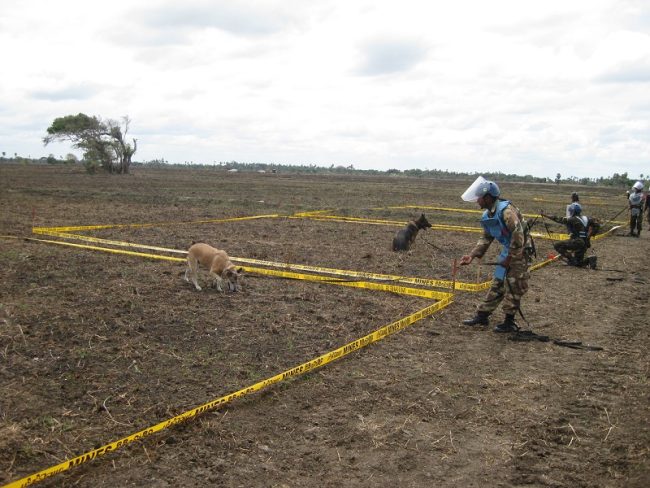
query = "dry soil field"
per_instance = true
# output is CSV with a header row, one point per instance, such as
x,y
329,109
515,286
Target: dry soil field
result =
x,y
95,346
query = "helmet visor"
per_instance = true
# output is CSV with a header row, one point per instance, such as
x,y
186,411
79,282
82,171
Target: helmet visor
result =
x,y
470,193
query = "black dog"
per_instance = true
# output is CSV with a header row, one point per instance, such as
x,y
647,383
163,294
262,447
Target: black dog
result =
x,y
405,237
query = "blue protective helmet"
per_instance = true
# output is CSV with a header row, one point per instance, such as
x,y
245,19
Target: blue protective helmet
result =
x,y
488,188
575,209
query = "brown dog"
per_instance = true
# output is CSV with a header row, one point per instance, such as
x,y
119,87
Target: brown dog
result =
x,y
405,237
217,262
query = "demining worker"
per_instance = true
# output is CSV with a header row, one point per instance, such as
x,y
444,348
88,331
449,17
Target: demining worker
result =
x,y
501,221
647,206
636,208
574,248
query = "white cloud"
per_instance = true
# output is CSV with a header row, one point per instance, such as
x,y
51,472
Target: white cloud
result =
x,y
530,88
75,91
386,56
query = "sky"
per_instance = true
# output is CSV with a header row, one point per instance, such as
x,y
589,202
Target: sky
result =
x,y
525,87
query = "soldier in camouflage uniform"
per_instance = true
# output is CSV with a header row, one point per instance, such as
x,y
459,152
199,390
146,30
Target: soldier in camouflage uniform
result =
x,y
580,228
647,205
501,221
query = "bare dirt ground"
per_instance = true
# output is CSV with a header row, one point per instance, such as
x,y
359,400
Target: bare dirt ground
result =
x,y
96,346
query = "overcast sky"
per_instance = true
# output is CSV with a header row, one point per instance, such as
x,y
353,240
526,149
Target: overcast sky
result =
x,y
527,87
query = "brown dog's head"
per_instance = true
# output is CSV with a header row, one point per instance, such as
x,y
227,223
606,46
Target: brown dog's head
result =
x,y
422,222
233,276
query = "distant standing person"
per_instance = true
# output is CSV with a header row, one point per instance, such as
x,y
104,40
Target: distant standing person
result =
x,y
636,208
647,206
501,221
574,199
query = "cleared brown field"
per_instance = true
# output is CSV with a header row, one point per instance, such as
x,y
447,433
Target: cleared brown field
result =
x,y
95,346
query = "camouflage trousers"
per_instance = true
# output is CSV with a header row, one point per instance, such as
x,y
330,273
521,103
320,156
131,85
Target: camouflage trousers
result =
x,y
572,249
636,223
508,291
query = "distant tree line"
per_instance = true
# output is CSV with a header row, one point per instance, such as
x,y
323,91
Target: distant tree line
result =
x,y
616,180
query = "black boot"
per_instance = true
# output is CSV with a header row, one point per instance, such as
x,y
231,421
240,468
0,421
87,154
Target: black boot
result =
x,y
481,318
508,325
593,261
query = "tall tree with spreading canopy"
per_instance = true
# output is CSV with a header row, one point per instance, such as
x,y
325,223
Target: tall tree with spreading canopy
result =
x,y
103,141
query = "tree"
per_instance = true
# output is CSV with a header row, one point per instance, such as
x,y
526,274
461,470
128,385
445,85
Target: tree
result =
x,y
71,159
558,178
103,142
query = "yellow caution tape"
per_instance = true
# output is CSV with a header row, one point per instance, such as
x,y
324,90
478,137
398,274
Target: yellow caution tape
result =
x,y
98,240
445,209
604,234
591,202
351,274
270,272
549,235
299,370
338,218
309,214
106,249
38,230
290,274
474,211
402,290
473,286
452,228
544,263
560,237
343,218
347,273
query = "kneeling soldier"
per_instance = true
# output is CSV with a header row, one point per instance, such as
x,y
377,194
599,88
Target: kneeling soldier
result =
x,y
574,248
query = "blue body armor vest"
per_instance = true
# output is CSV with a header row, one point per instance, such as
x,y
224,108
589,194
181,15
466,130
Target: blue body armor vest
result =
x,y
496,227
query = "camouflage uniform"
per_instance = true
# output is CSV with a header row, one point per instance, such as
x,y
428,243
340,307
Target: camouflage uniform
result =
x,y
575,247
517,275
636,212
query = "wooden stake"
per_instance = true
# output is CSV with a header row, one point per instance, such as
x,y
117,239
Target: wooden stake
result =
x,y
454,269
